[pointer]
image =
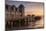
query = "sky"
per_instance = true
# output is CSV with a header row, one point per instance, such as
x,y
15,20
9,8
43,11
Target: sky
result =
x,y
35,8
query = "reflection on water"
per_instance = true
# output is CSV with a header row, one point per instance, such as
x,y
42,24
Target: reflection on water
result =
x,y
38,24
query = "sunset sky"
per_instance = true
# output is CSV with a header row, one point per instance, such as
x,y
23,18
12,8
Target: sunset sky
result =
x,y
30,7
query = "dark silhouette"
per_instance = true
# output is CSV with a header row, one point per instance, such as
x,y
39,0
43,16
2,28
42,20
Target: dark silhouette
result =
x,y
28,15
6,6
21,9
37,17
33,15
13,6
